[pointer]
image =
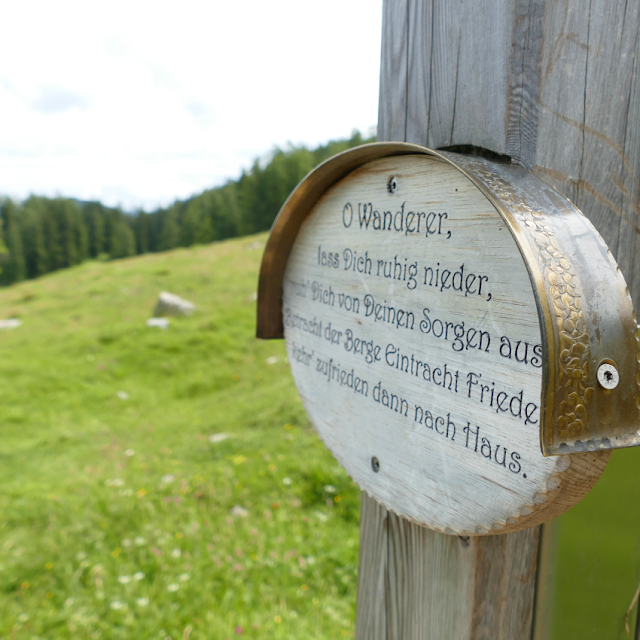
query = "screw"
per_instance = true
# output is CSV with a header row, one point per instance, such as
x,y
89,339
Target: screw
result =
x,y
375,464
608,376
392,185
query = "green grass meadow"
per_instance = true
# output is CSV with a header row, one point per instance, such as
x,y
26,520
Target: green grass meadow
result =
x,y
163,484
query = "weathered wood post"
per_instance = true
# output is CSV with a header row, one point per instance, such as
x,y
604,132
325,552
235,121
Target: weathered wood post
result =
x,y
554,86
462,339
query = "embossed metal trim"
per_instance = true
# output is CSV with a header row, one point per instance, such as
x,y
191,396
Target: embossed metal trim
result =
x,y
569,386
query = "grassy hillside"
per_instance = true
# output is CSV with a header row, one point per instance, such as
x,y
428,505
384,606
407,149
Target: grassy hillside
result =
x,y
167,484
163,483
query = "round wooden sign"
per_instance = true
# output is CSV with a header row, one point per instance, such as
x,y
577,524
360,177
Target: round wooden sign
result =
x,y
420,346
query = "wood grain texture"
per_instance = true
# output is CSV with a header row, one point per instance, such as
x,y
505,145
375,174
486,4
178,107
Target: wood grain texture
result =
x,y
522,102
551,83
371,619
392,108
545,595
417,584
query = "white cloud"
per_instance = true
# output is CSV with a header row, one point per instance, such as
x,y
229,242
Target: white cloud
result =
x,y
139,103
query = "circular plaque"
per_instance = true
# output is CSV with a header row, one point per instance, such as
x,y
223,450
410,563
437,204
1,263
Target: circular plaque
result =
x,y
424,342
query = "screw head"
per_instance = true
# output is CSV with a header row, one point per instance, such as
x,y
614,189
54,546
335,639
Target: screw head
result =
x,y
375,464
608,376
392,185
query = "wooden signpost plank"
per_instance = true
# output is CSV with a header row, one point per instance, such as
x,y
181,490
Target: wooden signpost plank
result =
x,y
437,586
554,85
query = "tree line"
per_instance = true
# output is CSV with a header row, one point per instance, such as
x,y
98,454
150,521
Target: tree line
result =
x,y
41,234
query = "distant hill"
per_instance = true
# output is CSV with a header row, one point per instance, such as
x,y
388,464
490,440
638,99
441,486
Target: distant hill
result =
x,y
41,234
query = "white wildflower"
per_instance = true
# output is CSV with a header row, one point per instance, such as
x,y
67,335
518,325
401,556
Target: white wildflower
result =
x,y
123,395
116,605
142,602
239,512
140,541
129,453
176,553
183,577
173,587
138,575
124,579
287,482
218,437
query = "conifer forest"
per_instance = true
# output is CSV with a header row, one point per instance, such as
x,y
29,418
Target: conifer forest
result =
x,y
41,234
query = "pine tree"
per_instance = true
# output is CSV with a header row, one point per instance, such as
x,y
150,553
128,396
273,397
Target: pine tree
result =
x,y
170,233
53,239
142,232
14,268
32,227
205,232
95,221
191,222
123,241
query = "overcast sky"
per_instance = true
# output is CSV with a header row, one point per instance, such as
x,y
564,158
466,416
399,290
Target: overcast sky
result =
x,y
140,103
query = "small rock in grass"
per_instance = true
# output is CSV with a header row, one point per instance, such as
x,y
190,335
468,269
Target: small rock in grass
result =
x,y
239,512
10,323
171,305
161,323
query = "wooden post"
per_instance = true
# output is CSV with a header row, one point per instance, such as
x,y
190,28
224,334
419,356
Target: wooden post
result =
x,y
553,85
417,583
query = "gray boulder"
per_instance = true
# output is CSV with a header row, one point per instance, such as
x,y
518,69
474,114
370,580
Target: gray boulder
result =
x,y
171,305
